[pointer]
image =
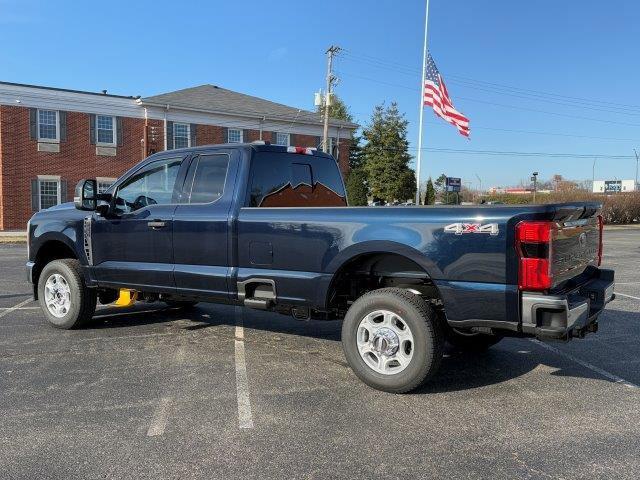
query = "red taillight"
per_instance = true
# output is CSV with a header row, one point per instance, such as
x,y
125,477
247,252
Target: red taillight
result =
x,y
535,263
535,274
534,232
601,232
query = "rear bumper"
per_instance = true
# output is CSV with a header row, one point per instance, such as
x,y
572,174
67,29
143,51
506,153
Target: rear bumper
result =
x,y
570,314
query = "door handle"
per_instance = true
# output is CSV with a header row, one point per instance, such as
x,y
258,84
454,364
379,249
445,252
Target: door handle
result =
x,y
156,224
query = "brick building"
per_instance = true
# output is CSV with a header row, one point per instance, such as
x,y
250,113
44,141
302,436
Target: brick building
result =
x,y
50,138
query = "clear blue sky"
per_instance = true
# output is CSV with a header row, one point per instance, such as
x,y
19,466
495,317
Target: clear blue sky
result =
x,y
572,48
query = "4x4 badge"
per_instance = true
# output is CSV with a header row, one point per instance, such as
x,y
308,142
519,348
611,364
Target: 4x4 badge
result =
x,y
462,228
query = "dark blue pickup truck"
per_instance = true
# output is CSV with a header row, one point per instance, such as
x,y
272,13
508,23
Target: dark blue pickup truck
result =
x,y
268,227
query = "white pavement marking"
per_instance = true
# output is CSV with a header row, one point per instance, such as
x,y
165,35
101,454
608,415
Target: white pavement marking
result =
x,y
245,419
160,417
21,308
15,307
628,296
614,378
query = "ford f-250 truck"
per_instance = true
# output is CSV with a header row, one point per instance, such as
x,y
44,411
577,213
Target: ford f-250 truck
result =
x,y
268,227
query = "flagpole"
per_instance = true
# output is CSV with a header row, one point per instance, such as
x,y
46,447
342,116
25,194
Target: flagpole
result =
x,y
424,68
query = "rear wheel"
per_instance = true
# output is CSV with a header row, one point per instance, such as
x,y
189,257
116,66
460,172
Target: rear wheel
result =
x,y
470,341
392,340
64,298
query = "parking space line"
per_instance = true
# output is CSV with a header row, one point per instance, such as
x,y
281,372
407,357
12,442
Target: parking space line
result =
x,y
15,307
21,308
628,296
614,378
245,419
160,417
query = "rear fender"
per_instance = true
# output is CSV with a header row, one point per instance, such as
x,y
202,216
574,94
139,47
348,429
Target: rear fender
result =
x,y
371,247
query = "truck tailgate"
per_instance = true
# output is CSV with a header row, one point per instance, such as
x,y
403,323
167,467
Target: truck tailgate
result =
x,y
577,241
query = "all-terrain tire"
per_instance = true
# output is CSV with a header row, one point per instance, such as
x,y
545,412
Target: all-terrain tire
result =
x,y
418,316
81,305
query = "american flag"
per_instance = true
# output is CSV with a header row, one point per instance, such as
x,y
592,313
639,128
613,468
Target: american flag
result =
x,y
437,97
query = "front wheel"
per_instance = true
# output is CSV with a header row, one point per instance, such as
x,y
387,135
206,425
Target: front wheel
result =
x,y
392,340
64,298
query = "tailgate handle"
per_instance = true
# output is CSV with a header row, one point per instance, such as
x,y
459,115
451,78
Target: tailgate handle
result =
x,y
156,224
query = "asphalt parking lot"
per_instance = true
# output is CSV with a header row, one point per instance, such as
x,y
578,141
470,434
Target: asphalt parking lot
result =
x,y
223,392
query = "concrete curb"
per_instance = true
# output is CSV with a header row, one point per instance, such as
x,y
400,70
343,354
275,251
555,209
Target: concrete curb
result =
x,y
13,239
634,226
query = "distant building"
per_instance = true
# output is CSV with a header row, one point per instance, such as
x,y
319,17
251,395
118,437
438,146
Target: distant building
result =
x,y
519,190
52,137
614,186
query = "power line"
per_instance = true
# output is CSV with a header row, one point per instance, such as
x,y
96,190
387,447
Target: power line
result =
x,y
520,93
498,104
528,132
506,153
524,94
529,154
410,70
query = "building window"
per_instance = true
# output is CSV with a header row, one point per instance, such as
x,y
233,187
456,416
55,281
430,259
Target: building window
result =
x,y
282,139
181,135
104,184
235,135
48,125
48,192
105,128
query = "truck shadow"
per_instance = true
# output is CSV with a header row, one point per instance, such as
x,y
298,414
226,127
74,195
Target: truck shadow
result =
x,y
616,344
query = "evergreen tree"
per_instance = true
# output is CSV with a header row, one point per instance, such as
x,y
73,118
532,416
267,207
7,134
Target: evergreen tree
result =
x,y
430,196
386,157
355,152
357,188
338,109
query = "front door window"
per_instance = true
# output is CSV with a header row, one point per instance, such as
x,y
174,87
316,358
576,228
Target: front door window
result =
x,y
154,185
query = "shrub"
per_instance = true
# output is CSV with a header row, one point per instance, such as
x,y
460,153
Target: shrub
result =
x,y
356,186
619,208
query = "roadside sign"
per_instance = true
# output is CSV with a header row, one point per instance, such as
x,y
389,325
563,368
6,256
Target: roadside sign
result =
x,y
612,186
453,184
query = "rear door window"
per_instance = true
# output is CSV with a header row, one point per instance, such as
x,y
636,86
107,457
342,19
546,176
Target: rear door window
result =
x,y
291,180
206,178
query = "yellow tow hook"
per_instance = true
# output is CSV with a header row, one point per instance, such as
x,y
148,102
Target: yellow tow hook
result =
x,y
126,298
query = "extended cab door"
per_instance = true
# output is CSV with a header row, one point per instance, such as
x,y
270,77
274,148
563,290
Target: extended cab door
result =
x,y
132,246
203,227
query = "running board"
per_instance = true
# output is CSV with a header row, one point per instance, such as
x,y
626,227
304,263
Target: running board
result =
x,y
257,303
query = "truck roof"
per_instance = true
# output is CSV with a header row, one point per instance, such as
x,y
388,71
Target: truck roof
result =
x,y
257,146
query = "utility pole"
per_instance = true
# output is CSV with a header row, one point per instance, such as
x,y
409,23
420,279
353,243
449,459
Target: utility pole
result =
x,y
480,182
534,179
593,174
636,185
333,50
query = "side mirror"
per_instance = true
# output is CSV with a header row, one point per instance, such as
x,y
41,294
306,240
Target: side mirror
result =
x,y
85,197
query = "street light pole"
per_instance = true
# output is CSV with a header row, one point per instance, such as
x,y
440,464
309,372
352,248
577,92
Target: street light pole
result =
x,y
534,179
636,185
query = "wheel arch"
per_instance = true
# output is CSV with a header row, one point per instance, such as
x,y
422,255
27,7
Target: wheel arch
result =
x,y
50,248
381,259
